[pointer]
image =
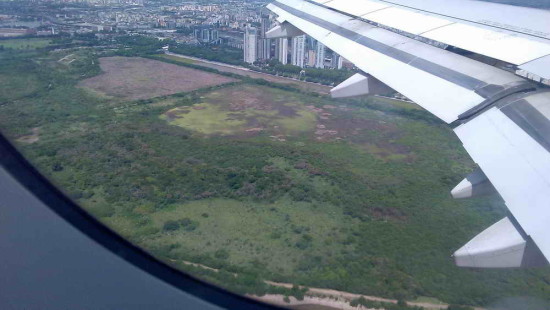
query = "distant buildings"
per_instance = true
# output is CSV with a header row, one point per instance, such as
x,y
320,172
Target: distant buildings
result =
x,y
320,57
206,35
250,45
336,61
15,32
311,58
299,50
264,44
281,50
233,39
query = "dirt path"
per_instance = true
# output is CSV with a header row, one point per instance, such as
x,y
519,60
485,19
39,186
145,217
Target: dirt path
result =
x,y
321,295
326,297
308,300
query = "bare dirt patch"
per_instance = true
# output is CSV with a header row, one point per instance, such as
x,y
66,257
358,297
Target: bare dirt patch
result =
x,y
375,136
133,78
337,123
31,138
388,213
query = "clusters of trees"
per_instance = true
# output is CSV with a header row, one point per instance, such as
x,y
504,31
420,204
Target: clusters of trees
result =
x,y
186,224
139,45
126,161
143,46
234,56
218,53
400,305
315,75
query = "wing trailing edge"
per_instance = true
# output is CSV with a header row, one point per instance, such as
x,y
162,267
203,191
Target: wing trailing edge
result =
x,y
505,126
444,83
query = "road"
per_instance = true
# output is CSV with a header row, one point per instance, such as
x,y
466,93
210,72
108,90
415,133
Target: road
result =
x,y
306,86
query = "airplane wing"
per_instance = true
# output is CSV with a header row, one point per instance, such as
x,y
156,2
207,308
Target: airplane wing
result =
x,y
420,49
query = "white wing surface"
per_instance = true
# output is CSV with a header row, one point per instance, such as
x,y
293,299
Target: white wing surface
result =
x,y
504,119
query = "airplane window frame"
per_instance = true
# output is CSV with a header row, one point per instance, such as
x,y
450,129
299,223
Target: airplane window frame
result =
x,y
39,186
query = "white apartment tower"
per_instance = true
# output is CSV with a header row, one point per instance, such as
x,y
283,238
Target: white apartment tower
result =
x,y
250,45
320,59
264,44
282,50
299,50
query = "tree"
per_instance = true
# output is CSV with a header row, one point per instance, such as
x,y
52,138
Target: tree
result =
x,y
273,62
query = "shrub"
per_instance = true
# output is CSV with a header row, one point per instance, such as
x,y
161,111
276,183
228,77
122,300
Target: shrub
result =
x,y
221,254
171,226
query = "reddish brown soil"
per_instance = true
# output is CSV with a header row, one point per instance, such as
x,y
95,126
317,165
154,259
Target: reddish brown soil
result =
x,y
321,89
338,123
139,78
388,213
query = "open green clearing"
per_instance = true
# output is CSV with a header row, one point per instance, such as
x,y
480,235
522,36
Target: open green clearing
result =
x,y
25,44
245,109
349,195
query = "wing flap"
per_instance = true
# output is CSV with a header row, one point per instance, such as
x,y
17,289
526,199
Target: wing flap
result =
x,y
509,141
406,20
540,67
518,167
359,8
511,34
496,44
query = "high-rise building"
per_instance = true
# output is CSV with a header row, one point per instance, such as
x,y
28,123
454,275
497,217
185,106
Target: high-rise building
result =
x,y
250,45
340,62
281,50
336,61
206,34
320,61
264,44
299,50
311,58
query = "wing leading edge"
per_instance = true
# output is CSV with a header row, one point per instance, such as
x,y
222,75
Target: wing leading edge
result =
x,y
505,125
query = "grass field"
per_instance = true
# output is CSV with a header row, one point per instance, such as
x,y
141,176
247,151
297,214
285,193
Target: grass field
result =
x,y
245,110
25,44
253,232
345,195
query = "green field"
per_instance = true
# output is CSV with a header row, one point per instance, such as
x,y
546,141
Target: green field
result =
x,y
25,44
351,195
244,109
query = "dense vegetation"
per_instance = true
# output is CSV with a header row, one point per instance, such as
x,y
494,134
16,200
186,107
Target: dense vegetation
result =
x,y
315,75
219,53
138,45
370,214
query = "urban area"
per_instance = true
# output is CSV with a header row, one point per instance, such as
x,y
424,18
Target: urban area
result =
x,y
239,25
